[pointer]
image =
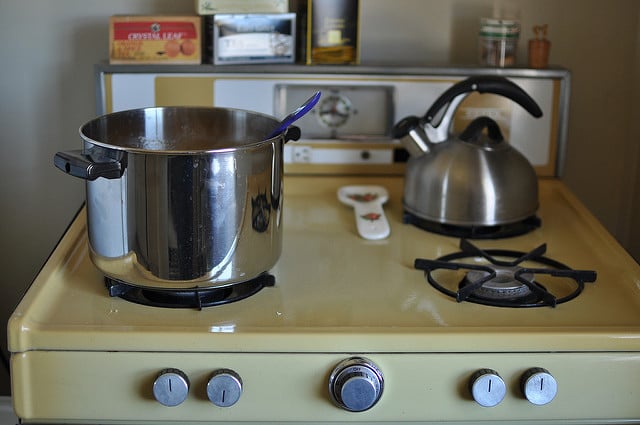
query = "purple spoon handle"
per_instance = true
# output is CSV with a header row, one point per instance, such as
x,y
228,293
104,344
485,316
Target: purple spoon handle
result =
x,y
296,115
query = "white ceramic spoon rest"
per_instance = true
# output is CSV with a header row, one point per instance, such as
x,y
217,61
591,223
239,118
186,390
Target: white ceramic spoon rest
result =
x,y
367,202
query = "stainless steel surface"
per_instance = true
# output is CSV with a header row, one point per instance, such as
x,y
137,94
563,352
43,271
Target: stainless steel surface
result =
x,y
439,130
171,387
420,143
539,386
224,388
487,387
199,200
471,179
356,384
468,184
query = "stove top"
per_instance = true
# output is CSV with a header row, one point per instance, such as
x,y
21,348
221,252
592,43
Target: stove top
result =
x,y
338,297
329,279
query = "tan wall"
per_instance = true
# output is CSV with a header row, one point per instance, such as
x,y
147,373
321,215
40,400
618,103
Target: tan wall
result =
x,y
46,92
634,140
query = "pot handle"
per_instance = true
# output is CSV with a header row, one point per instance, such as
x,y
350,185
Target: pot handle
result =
x,y
485,84
292,133
78,164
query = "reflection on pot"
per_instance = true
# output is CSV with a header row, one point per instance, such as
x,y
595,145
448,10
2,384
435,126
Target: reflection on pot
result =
x,y
260,213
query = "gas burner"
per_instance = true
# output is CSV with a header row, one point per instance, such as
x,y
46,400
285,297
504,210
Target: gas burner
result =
x,y
502,278
188,298
474,232
504,286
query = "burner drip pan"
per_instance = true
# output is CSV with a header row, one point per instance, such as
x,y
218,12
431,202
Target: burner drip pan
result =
x,y
474,232
188,298
503,286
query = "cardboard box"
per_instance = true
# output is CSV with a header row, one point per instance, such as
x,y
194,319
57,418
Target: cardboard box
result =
x,y
210,7
332,32
155,40
252,38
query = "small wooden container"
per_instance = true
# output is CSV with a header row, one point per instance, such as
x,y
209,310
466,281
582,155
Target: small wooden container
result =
x,y
539,48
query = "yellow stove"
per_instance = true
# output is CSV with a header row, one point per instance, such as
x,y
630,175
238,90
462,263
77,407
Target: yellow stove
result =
x,y
351,331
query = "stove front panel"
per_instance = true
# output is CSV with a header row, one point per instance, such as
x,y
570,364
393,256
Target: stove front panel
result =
x,y
280,387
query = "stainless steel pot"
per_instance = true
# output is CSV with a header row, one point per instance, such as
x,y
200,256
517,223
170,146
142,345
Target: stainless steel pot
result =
x,y
180,197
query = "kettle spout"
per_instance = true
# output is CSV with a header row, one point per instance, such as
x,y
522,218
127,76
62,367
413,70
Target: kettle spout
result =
x,y
411,134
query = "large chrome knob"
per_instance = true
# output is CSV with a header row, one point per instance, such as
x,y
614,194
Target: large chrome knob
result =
x,y
224,388
538,386
487,387
171,387
356,384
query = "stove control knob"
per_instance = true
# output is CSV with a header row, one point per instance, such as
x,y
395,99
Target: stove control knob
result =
x,y
487,387
171,387
356,384
538,386
224,388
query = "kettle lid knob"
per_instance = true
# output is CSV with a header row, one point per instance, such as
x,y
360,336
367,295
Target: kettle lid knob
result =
x,y
473,132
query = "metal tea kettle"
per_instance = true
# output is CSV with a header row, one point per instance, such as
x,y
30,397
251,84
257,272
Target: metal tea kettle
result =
x,y
474,179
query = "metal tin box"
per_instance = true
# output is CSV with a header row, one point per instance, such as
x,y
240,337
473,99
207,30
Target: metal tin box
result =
x,y
253,38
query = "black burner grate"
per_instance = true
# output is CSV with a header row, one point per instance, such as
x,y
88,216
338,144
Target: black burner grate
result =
x,y
188,298
500,279
474,232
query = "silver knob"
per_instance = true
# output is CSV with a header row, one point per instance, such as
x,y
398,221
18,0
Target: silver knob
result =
x,y
356,384
171,387
487,387
538,386
224,388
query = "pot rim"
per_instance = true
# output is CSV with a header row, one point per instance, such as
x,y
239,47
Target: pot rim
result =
x,y
147,151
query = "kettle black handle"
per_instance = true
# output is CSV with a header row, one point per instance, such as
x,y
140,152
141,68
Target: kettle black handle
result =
x,y
485,84
476,126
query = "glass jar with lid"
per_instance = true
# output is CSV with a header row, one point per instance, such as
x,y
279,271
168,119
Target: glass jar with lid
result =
x,y
498,41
